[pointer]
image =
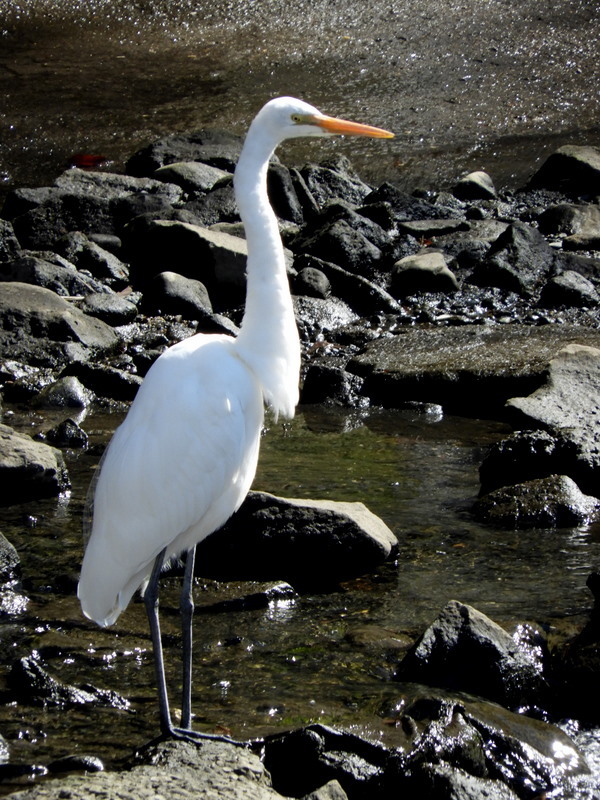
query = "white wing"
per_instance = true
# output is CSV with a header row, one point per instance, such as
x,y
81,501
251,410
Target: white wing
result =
x,y
176,469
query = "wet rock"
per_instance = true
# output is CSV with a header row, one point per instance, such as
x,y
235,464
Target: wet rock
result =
x,y
445,782
304,759
339,243
331,791
569,218
76,763
569,402
432,228
552,502
67,392
219,205
105,381
331,385
470,369
33,685
67,434
316,316
112,309
311,282
10,573
520,261
524,456
333,180
282,194
90,256
218,149
424,272
192,176
463,650
271,595
475,186
29,470
569,289
170,293
300,541
4,753
465,748
362,295
576,666
85,201
37,326
9,244
571,168
61,278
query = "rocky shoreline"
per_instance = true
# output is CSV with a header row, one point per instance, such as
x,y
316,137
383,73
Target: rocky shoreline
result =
x,y
470,300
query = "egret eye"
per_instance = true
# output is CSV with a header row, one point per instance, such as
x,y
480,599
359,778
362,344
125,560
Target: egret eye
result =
x,y
297,119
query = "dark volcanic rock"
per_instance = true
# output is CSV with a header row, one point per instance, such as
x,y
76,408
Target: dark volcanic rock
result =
x,y
296,540
520,261
465,651
466,749
67,434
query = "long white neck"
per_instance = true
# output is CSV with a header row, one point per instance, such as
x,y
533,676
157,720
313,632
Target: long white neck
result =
x,y
268,338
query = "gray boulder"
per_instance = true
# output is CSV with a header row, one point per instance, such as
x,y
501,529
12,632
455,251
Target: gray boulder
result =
x,y
571,168
569,403
88,255
520,261
365,297
51,272
112,309
472,369
425,272
192,176
300,541
463,650
39,327
569,289
570,218
29,470
475,186
171,293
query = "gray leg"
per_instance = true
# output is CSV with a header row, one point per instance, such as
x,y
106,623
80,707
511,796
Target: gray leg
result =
x,y
187,610
151,603
187,614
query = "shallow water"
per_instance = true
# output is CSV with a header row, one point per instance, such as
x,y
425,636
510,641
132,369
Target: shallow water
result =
x,y
465,85
326,655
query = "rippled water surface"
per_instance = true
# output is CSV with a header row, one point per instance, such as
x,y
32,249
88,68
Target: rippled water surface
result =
x,y
466,84
325,655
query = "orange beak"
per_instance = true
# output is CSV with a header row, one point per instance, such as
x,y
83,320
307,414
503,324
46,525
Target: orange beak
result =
x,y
346,128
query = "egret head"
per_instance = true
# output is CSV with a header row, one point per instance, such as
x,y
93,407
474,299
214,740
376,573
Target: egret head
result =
x,y
289,118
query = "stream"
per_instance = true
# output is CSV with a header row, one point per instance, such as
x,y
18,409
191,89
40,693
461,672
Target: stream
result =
x,y
325,655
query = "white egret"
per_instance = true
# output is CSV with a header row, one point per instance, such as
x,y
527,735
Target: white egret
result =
x,y
183,460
